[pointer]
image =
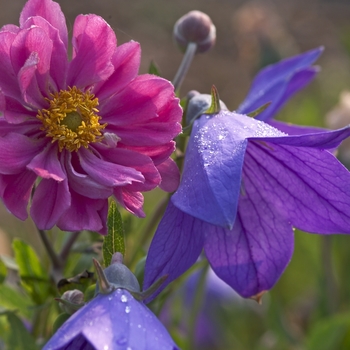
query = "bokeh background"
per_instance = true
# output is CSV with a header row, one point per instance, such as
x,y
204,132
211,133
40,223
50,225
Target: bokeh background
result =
x,y
309,308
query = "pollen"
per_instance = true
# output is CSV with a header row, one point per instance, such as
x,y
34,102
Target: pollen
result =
x,y
72,119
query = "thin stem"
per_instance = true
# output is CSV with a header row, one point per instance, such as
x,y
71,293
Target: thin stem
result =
x,y
148,230
68,245
56,262
185,65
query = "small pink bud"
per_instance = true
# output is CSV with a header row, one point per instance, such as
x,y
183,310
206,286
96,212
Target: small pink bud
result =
x,y
195,27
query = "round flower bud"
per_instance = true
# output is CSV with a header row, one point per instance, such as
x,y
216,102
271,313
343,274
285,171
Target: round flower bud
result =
x,y
198,104
72,300
195,27
119,276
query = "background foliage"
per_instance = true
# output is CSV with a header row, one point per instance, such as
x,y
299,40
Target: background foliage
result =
x,y
309,308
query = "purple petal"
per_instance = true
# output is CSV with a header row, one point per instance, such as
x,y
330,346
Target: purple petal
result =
x,y
253,255
85,214
94,44
47,165
213,167
15,191
16,152
175,247
292,129
49,10
320,139
28,127
278,82
310,188
51,199
106,173
126,62
113,321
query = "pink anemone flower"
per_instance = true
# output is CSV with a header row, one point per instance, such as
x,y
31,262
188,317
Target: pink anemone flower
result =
x,y
75,132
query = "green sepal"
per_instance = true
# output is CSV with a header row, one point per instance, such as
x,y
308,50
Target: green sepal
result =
x,y
104,286
153,69
114,241
215,102
258,110
148,292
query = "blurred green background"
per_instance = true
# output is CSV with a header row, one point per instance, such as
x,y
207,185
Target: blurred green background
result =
x,y
309,308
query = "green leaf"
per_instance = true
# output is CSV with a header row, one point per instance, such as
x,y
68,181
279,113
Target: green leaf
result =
x,y
9,262
3,271
34,278
12,299
258,110
153,69
18,338
215,102
331,333
114,241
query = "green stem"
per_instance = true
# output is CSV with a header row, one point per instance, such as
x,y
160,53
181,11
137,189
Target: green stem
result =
x,y
56,262
68,245
185,65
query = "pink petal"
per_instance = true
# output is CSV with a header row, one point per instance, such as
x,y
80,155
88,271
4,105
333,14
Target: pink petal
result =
x,y
8,79
170,175
51,199
47,165
29,85
131,201
85,214
6,128
49,10
82,183
138,102
16,152
106,173
15,191
14,111
132,160
126,62
58,60
94,44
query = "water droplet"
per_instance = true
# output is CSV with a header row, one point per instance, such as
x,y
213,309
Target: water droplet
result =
x,y
124,298
106,347
127,309
110,298
128,348
138,326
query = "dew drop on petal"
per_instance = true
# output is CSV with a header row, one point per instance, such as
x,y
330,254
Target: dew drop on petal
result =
x,y
127,309
106,347
124,298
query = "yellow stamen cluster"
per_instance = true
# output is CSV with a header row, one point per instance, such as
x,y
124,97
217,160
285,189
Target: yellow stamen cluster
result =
x,y
72,119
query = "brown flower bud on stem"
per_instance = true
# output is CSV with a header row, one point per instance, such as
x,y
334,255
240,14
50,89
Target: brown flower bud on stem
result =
x,y
194,32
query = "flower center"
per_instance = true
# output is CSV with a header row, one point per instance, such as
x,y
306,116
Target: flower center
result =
x,y
71,119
